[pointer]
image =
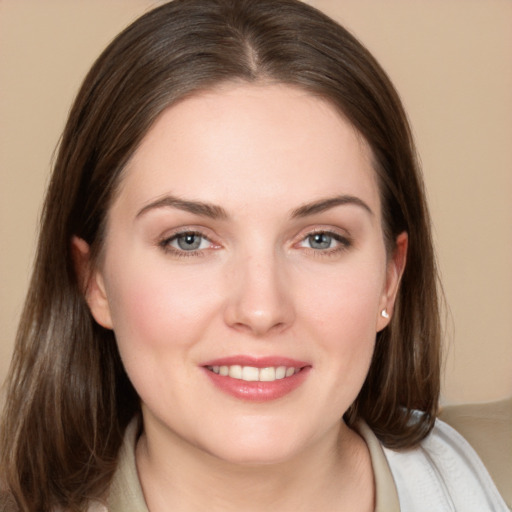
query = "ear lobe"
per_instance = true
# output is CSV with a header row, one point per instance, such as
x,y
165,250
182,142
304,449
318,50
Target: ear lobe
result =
x,y
91,282
395,270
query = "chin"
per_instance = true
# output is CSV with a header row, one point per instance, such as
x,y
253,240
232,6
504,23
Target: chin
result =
x,y
257,447
254,456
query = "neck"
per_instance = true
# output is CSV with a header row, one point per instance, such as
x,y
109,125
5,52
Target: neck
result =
x,y
333,473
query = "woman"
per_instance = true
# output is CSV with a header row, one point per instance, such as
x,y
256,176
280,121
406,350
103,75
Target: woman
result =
x,y
234,299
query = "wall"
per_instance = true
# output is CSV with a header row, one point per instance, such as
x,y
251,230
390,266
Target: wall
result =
x,y
451,62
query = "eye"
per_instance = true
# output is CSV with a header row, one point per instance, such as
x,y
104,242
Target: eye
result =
x,y
325,241
320,241
189,241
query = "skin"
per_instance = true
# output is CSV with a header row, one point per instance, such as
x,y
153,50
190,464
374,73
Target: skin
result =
x,y
258,285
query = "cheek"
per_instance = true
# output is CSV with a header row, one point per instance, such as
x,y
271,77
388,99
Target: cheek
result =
x,y
347,299
158,317
343,309
157,306
348,333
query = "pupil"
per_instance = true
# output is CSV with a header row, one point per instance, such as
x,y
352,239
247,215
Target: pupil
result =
x,y
320,241
189,242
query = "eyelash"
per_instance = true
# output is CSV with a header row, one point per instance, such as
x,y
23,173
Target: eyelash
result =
x,y
165,244
344,243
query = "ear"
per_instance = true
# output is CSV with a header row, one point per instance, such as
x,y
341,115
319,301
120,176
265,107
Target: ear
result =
x,y
395,270
91,282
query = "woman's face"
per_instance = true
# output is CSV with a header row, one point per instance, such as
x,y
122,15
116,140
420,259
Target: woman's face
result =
x,y
245,271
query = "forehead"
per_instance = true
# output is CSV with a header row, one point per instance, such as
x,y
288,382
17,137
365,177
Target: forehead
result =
x,y
241,142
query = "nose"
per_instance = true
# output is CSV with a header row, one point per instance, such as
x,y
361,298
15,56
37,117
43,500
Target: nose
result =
x,y
260,298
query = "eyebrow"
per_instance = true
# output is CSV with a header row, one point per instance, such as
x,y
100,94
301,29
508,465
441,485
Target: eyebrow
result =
x,y
196,207
217,212
326,204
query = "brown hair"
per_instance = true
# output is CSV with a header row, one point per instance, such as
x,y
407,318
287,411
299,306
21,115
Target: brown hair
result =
x,y
68,397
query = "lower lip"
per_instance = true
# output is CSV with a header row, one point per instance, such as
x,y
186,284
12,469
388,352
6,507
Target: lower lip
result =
x,y
258,391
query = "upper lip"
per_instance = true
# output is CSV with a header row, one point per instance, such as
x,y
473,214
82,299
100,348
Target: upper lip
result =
x,y
256,361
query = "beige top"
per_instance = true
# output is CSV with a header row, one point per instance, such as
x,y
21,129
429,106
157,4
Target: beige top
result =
x,y
126,493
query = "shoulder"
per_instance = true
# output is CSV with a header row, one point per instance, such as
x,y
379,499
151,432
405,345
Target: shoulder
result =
x,y
443,473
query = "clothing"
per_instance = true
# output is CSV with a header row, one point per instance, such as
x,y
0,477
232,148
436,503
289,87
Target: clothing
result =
x,y
487,427
443,474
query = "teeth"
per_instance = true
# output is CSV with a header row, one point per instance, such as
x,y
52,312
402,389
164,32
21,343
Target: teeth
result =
x,y
252,374
267,374
235,371
280,372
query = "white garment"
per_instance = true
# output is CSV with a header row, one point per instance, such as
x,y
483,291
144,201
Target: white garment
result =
x,y
443,474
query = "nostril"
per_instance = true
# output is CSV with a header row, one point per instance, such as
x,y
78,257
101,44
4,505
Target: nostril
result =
x,y
257,303
259,326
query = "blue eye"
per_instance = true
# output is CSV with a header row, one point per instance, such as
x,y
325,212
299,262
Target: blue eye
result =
x,y
325,241
186,242
189,241
320,241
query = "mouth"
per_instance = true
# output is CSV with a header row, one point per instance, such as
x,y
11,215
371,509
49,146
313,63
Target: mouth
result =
x,y
257,379
253,373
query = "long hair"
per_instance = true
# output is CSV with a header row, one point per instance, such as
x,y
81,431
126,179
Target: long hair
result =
x,y
69,399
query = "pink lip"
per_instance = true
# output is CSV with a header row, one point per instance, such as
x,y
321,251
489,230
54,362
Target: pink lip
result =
x,y
257,362
257,391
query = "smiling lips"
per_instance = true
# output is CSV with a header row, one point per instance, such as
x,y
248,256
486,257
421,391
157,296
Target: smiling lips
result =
x,y
257,380
253,374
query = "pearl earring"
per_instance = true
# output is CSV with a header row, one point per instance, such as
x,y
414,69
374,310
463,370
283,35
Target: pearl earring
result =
x,y
384,313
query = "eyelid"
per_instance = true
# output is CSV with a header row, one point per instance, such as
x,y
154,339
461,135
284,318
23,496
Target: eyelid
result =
x,y
164,241
333,231
176,238
341,236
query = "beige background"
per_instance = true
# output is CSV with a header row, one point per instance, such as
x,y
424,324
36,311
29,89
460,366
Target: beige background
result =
x,y
451,60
